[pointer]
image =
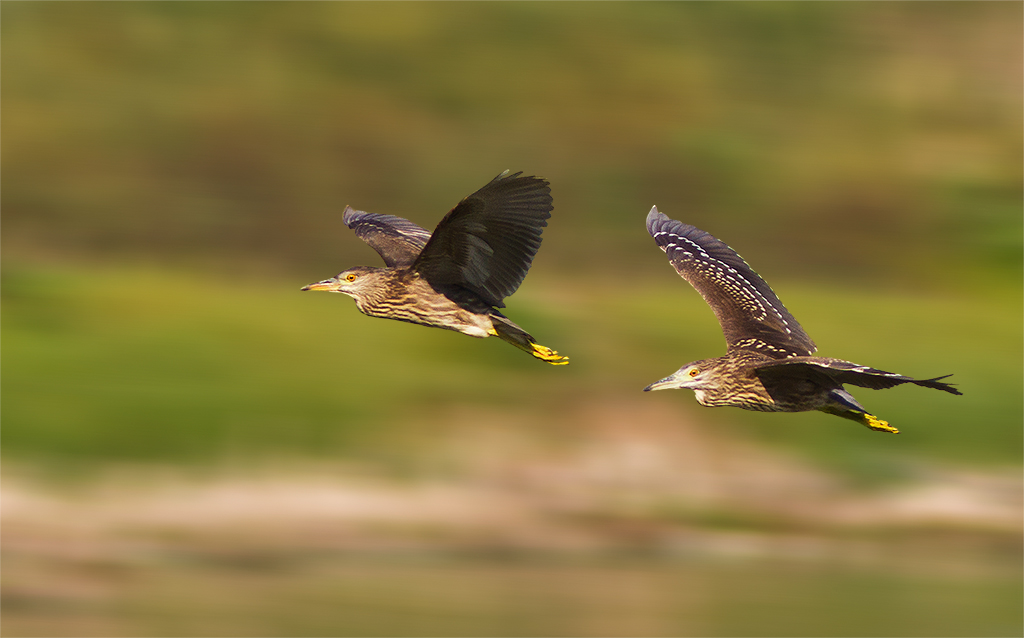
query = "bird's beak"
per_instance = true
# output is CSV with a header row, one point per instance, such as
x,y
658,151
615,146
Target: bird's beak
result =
x,y
327,285
664,384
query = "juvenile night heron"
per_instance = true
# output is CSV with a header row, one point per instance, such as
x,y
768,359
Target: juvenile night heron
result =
x,y
457,277
768,365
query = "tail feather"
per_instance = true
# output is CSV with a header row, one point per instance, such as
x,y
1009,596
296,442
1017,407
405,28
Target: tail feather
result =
x,y
509,332
848,372
937,384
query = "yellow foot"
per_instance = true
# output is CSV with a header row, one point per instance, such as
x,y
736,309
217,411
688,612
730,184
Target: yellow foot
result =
x,y
547,354
879,425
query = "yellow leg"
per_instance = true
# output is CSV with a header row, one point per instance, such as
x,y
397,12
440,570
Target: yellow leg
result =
x,y
843,405
520,339
547,354
878,425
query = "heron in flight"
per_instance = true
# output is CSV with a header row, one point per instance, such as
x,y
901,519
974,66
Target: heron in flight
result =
x,y
768,365
457,277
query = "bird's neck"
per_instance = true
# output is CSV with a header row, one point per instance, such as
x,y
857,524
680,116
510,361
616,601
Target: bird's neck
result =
x,y
370,301
739,386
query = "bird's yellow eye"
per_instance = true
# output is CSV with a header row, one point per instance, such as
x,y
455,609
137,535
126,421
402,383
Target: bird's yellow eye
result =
x,y
694,372
350,277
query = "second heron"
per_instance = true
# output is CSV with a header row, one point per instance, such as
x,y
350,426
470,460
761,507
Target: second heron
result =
x,y
768,365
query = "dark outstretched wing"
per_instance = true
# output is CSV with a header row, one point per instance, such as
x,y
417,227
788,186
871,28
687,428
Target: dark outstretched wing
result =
x,y
487,242
809,368
397,240
751,315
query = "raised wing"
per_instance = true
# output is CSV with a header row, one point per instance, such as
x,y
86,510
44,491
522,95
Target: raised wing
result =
x,y
487,242
751,315
397,240
809,368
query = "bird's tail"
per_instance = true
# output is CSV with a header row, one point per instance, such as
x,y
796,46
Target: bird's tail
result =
x,y
509,332
938,384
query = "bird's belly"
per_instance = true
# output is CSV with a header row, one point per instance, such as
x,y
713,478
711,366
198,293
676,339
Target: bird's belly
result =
x,y
804,403
799,396
753,397
438,314
475,330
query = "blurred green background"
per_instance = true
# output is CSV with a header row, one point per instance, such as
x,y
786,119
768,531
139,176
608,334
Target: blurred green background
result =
x,y
173,173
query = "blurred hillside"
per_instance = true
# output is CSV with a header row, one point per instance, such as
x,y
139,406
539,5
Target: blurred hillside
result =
x,y
194,447
864,144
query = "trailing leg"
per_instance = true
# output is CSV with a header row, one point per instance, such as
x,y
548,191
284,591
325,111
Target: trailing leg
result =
x,y
842,404
509,332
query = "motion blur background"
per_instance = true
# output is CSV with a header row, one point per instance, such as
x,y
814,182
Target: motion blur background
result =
x,y
193,447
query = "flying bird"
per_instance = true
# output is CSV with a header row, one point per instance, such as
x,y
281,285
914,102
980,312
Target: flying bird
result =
x,y
768,365
457,277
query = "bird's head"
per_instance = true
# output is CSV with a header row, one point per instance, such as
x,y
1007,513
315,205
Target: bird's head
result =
x,y
358,282
699,376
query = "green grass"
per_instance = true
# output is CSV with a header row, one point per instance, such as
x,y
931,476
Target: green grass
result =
x,y
142,365
146,365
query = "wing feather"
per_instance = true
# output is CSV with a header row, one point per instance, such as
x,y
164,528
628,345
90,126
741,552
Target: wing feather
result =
x,y
751,315
488,241
398,241
845,372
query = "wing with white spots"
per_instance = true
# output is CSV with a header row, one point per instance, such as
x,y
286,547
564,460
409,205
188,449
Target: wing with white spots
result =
x,y
398,241
751,315
846,372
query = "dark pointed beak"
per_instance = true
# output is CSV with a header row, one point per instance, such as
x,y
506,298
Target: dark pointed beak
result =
x,y
328,285
661,384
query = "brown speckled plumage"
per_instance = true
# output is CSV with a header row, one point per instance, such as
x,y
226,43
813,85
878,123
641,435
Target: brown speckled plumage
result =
x,y
457,277
768,365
